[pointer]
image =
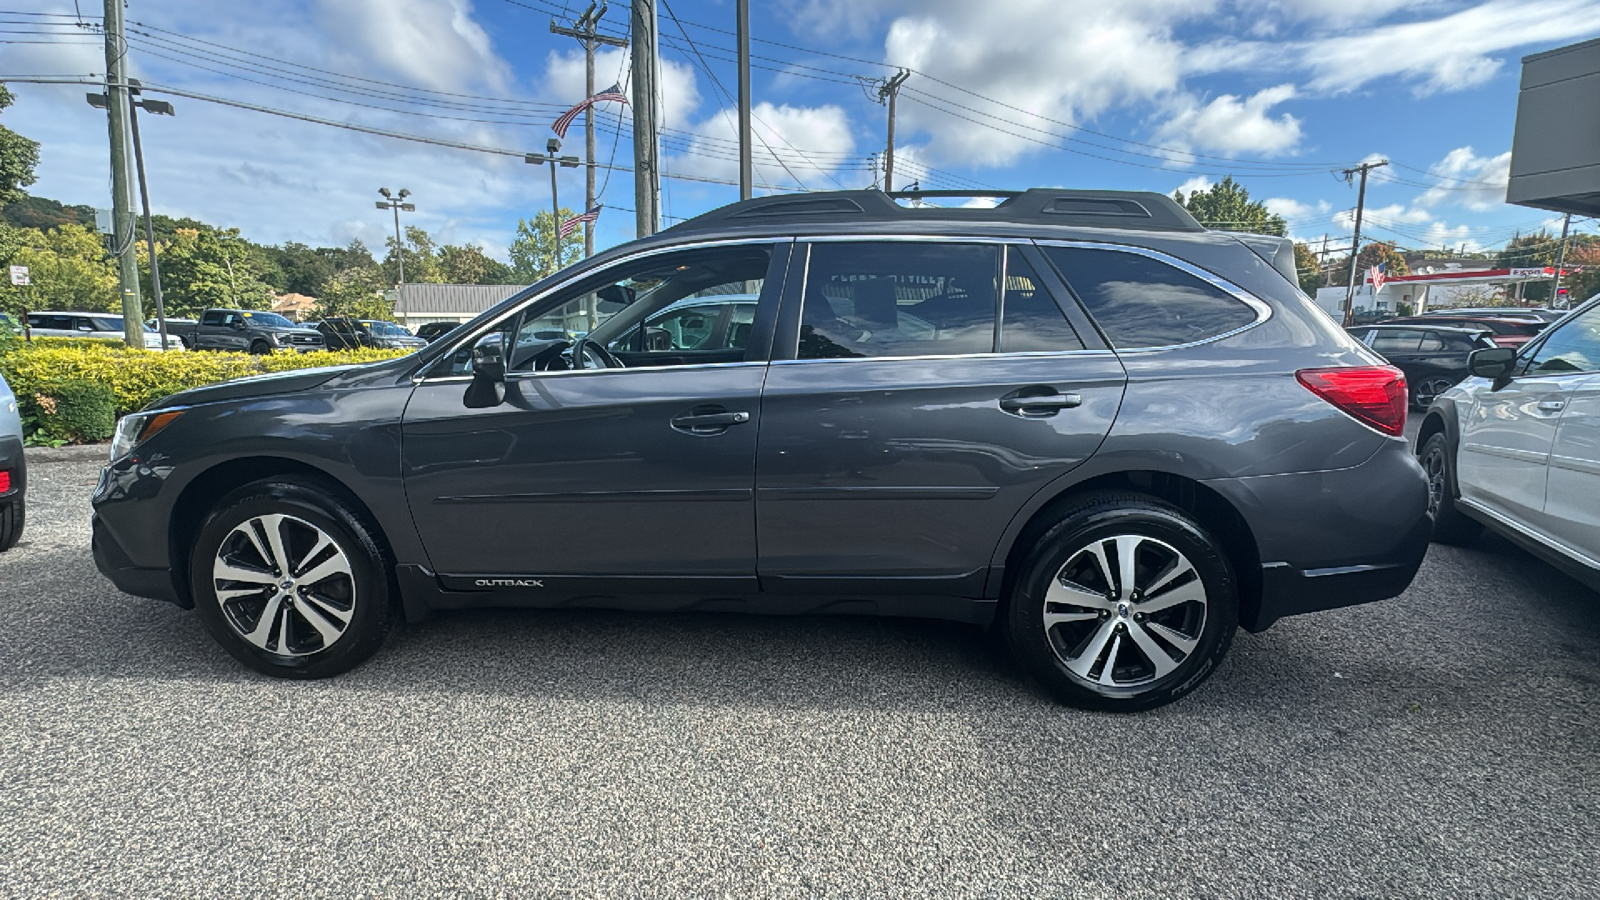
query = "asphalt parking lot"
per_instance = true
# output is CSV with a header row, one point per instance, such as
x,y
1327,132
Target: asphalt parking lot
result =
x,y
1446,743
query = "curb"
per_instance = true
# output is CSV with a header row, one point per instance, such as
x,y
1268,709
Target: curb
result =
x,y
77,453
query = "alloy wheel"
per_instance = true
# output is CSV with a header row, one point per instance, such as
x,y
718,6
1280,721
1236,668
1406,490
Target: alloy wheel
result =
x,y
1429,389
1124,611
284,585
1433,464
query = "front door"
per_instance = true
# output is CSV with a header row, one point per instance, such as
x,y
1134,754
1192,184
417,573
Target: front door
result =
x,y
897,443
1572,496
615,478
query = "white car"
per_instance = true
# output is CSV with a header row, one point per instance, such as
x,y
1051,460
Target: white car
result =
x,y
91,325
1516,447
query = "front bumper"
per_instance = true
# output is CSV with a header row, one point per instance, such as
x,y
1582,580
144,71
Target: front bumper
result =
x,y
115,564
1332,539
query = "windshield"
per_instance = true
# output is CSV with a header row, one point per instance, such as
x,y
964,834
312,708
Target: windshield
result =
x,y
387,329
268,320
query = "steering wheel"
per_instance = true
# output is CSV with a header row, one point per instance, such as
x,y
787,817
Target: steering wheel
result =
x,y
585,351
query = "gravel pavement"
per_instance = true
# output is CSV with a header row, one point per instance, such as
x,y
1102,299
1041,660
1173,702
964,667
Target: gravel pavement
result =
x,y
1444,744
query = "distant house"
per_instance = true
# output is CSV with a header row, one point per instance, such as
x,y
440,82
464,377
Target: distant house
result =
x,y
419,304
295,307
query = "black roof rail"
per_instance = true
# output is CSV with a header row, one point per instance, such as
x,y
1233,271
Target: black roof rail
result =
x,y
1139,210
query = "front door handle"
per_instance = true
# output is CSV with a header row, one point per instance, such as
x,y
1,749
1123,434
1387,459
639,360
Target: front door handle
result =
x,y
1552,405
1039,402
708,420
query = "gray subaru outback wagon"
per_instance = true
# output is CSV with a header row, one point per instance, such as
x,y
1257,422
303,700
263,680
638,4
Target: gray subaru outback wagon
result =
x,y
1078,417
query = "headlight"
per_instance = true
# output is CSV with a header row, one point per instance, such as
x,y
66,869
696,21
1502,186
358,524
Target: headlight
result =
x,y
139,427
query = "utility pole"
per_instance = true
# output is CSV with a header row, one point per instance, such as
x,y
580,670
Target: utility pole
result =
x,y
1355,242
121,196
584,30
646,173
158,107
889,91
746,167
1322,261
397,204
1561,258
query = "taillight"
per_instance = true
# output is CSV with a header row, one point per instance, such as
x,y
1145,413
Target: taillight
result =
x,y
5,482
1375,395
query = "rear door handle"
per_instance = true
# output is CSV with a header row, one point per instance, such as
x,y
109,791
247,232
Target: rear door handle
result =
x,y
1552,405
707,420
1029,402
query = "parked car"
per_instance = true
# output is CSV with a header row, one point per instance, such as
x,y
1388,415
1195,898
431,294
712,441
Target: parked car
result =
x,y
1507,332
1524,313
13,470
432,331
246,331
344,333
1432,358
182,329
1516,448
1078,417
104,326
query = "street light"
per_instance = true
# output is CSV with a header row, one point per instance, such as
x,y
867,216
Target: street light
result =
x,y
552,147
390,201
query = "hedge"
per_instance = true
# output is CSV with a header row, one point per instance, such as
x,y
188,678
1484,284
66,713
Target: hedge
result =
x,y
72,412
137,378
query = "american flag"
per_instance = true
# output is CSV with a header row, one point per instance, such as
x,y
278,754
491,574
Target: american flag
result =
x,y
567,118
1376,276
571,225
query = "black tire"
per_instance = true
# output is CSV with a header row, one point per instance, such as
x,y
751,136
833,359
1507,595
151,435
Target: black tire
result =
x,y
366,598
1426,389
260,348
13,515
1153,528
1450,525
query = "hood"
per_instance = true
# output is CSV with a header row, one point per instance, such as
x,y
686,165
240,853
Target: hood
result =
x,y
256,386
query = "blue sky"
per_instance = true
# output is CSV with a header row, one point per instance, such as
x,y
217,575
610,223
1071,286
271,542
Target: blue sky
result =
x,y
1133,94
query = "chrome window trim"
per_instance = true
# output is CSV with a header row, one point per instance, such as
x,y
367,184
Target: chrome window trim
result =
x,y
472,337
1262,309
525,376
989,355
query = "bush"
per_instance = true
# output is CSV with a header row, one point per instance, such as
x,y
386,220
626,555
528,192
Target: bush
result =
x,y
74,411
137,378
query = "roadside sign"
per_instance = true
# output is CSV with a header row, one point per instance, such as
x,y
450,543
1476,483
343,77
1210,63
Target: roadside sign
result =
x,y
19,276
1529,272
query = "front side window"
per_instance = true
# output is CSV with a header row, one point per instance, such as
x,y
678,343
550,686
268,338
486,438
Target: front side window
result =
x,y
609,308
213,317
898,298
1139,301
1573,347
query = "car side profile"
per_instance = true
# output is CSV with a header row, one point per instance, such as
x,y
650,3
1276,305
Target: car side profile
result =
x,y
1516,447
1078,418
104,326
1433,359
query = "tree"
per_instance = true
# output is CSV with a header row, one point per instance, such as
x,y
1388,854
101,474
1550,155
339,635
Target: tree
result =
x,y
18,157
1371,255
1585,255
421,256
532,252
68,268
211,268
353,255
357,293
1227,207
43,213
1309,267
470,265
304,269
1528,251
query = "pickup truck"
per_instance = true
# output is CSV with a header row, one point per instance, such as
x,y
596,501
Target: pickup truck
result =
x,y
246,330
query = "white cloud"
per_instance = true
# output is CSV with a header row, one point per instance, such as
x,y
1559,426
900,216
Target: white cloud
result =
x,y
1233,125
1198,183
821,134
433,43
1294,211
1476,182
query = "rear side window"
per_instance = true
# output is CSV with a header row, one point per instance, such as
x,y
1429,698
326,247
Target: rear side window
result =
x,y
1143,302
1398,340
1431,343
1030,320
897,298
211,317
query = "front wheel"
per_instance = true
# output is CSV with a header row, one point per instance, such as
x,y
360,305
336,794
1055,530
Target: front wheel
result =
x,y
1450,526
291,581
260,348
1125,604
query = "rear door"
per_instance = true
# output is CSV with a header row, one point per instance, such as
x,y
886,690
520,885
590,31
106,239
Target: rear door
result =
x,y
913,408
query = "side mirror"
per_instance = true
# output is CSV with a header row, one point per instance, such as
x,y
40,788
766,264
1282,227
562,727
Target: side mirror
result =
x,y
488,387
238,324
1493,363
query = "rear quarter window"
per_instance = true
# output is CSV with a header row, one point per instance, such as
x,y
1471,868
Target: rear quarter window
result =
x,y
1139,301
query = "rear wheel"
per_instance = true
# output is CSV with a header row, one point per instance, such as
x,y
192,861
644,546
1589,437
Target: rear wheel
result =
x,y
13,514
1125,604
1449,525
1422,396
291,581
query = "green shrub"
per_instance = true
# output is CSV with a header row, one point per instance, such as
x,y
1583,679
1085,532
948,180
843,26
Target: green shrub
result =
x,y
136,378
74,411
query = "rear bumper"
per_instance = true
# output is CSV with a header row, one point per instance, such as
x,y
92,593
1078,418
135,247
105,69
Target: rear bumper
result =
x,y
1332,539
115,564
